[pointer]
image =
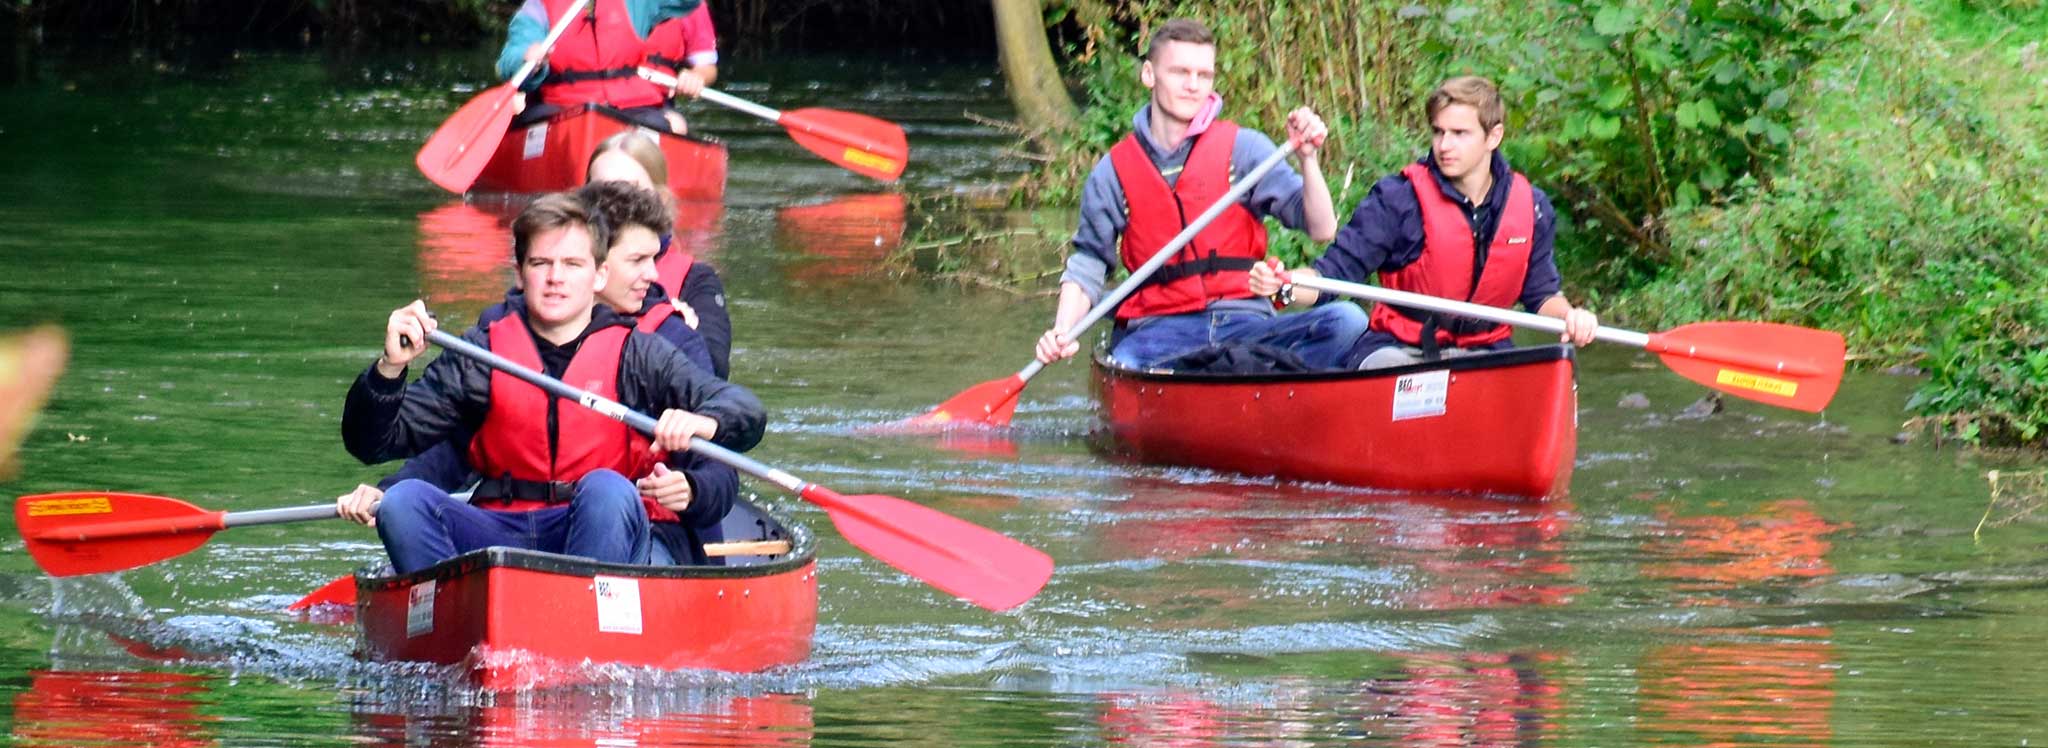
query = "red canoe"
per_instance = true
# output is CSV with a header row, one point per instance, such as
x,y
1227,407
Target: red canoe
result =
x,y
552,155
1502,424
516,619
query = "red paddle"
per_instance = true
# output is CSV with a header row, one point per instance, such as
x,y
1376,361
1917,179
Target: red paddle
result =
x,y
992,402
964,559
1783,365
95,532
458,151
858,143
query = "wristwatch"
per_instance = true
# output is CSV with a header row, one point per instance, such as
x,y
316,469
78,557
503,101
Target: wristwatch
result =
x,y
1284,297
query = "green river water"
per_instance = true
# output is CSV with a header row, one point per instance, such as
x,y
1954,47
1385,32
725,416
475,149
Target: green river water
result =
x,y
224,246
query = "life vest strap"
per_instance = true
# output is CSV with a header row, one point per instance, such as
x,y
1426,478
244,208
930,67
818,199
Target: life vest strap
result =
x,y
1204,266
508,489
579,76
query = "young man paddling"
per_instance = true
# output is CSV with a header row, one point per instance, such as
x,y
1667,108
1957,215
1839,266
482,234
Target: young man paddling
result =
x,y
1458,223
555,472
686,496
1178,161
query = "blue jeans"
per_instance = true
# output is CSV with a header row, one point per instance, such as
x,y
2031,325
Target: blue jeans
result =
x,y
421,525
1320,336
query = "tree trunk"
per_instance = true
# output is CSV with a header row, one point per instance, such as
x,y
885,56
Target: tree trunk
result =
x,y
1035,85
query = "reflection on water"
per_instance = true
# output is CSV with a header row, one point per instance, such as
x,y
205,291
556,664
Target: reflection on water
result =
x,y
1749,578
595,720
64,708
840,237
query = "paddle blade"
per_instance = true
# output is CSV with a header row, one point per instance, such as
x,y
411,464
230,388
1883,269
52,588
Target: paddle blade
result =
x,y
76,533
340,591
990,403
861,144
457,152
1783,365
958,557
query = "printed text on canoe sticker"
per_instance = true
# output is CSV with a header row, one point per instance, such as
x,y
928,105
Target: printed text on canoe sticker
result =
x,y
1421,395
618,604
536,142
419,609
60,507
1757,382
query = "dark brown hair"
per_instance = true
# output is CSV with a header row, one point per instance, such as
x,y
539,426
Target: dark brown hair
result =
x,y
621,204
1179,30
1472,91
553,211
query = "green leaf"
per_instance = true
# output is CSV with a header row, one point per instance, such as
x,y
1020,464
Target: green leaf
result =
x,y
1709,116
1688,195
1777,133
1614,21
1687,117
1547,95
1604,128
1613,97
1778,99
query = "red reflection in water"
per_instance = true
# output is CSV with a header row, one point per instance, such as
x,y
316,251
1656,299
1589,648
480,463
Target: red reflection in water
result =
x,y
1467,553
1752,686
465,258
1776,693
1477,700
738,721
844,237
67,708
1783,539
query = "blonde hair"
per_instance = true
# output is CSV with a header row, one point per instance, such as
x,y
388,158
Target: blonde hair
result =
x,y
644,150
1472,91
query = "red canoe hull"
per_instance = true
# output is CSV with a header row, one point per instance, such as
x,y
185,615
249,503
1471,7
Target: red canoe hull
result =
x,y
515,619
1503,424
552,155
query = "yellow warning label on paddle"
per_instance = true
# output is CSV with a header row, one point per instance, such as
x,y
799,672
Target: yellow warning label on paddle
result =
x,y
59,507
1758,382
872,161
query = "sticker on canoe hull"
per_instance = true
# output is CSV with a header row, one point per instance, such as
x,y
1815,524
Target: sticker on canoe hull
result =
x,y
419,609
1421,395
618,604
62,507
1757,382
536,141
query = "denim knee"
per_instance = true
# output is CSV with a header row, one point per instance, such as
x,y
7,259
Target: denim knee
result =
x,y
605,489
408,501
1346,321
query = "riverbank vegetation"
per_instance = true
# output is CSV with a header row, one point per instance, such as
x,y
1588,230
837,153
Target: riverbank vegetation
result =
x,y
1863,166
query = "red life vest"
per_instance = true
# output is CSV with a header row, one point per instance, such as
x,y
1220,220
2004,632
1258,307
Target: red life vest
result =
x,y
1214,266
515,443
593,62
652,317
672,268
1445,268
673,42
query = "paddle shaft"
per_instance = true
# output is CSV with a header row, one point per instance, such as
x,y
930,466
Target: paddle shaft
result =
x,y
207,522
615,411
1547,324
1130,285
714,96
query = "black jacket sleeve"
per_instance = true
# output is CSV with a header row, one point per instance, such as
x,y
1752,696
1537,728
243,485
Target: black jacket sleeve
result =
x,y
386,419
444,466
657,377
705,293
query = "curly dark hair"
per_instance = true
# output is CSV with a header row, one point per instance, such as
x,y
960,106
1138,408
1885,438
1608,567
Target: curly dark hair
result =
x,y
616,205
